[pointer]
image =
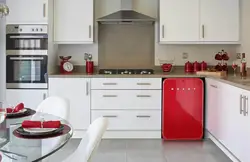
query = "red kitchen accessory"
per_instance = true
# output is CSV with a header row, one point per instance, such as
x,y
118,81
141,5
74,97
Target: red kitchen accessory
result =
x,y
189,67
66,67
203,66
183,109
218,56
89,67
218,67
225,56
167,65
197,66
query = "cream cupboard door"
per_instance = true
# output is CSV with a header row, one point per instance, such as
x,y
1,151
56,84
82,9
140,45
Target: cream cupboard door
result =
x,y
219,20
73,21
77,91
179,21
27,12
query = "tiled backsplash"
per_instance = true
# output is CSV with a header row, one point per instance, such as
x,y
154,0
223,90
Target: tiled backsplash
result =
x,y
149,7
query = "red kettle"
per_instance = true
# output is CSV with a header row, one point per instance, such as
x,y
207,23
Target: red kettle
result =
x,y
203,66
197,66
188,67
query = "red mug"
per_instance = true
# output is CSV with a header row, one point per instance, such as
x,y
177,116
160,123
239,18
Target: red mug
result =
x,y
89,67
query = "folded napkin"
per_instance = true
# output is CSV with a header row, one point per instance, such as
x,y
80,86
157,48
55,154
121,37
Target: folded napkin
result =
x,y
40,124
17,108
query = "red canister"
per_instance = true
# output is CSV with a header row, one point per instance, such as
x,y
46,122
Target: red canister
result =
x,y
189,67
89,67
203,66
197,66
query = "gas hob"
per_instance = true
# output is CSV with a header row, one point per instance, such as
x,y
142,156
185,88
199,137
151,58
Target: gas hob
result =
x,y
126,71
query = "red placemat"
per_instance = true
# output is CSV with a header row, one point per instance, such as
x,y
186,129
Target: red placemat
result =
x,y
63,132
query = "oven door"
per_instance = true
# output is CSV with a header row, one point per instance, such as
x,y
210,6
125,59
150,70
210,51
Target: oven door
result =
x,y
26,44
26,71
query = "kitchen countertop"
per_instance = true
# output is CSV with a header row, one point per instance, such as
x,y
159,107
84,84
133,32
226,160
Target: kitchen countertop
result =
x,y
230,79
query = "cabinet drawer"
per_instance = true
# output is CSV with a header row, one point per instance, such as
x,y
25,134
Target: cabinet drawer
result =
x,y
126,83
130,120
126,99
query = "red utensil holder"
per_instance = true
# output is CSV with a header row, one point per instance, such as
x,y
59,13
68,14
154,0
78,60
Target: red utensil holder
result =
x,y
89,67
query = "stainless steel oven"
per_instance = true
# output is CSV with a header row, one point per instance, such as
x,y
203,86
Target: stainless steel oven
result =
x,y
26,60
26,40
26,72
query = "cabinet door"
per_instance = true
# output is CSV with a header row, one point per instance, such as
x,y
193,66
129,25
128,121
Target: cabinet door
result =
x,y
27,12
179,20
73,23
219,20
212,106
30,98
78,93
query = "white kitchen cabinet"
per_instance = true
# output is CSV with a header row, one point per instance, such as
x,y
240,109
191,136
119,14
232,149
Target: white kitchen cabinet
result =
x,y
27,12
219,20
73,21
199,22
77,91
30,97
179,20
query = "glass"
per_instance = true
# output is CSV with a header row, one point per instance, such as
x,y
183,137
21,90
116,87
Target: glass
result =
x,y
234,66
3,113
31,149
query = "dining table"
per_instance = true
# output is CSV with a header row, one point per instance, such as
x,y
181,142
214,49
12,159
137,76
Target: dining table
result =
x,y
30,149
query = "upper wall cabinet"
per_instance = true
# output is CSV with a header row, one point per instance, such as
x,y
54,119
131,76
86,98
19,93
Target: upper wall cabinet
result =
x,y
199,22
27,12
73,21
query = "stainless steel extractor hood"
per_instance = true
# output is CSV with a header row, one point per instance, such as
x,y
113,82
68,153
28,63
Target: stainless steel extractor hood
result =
x,y
126,15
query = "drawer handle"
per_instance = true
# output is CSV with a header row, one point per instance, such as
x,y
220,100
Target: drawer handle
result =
x,y
110,116
143,83
109,95
143,116
214,86
109,83
143,96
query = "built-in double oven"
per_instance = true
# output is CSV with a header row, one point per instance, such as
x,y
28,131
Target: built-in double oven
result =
x,y
26,56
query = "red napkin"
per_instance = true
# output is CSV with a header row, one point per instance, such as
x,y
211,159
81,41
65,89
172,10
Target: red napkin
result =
x,y
18,107
39,124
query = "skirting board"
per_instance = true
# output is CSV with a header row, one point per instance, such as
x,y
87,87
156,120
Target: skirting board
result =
x,y
222,147
123,134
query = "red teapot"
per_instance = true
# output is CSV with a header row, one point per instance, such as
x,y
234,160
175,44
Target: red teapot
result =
x,y
189,67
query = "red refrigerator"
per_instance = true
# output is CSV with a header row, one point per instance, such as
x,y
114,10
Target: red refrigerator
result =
x,y
182,111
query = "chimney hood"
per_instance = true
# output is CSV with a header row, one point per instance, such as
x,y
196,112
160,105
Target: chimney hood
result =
x,y
126,15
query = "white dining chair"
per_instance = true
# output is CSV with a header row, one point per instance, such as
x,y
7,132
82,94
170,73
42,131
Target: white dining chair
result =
x,y
89,142
54,106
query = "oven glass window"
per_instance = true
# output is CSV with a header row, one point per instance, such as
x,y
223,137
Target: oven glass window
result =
x,y
24,70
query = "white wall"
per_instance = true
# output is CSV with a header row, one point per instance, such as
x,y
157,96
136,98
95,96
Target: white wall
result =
x,y
2,58
163,52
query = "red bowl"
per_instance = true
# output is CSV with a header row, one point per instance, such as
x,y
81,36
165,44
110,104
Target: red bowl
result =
x,y
166,67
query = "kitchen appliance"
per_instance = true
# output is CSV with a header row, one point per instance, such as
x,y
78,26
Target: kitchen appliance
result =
x,y
182,111
189,67
196,66
66,67
126,71
26,40
126,15
26,72
26,60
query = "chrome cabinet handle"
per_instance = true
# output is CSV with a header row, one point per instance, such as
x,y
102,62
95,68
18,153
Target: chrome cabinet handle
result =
x,y
90,31
143,116
203,31
109,83
163,31
109,95
241,109
143,96
44,96
246,106
214,86
44,10
143,83
110,116
87,88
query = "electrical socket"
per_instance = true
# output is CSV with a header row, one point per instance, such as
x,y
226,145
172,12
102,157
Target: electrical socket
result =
x,y
238,56
184,55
